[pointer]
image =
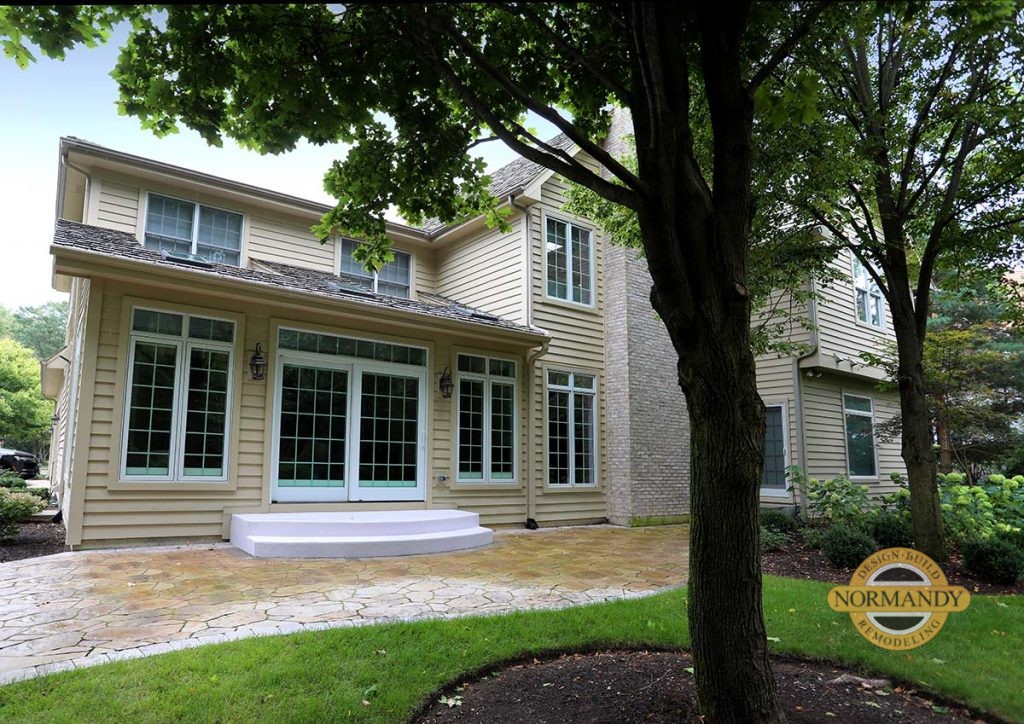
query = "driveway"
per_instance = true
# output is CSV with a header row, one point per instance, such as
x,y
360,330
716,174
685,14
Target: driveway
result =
x,y
78,609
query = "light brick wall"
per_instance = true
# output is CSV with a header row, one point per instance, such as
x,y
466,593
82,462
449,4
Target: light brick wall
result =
x,y
648,426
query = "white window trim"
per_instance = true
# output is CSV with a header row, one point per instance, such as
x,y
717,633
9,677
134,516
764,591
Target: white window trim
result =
x,y
488,379
376,275
568,260
784,491
871,290
846,435
196,204
350,491
184,344
571,422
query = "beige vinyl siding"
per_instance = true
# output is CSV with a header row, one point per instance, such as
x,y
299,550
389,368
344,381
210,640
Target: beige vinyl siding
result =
x,y
66,407
840,333
424,270
486,271
824,425
117,206
577,344
288,243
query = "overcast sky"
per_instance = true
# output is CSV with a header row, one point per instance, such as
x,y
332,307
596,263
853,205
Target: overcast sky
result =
x,y
77,97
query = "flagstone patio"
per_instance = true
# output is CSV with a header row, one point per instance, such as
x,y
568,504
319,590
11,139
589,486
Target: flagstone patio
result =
x,y
79,609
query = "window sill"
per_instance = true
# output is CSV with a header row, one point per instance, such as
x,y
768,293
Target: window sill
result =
x,y
774,493
565,303
870,327
595,488
169,485
865,478
476,485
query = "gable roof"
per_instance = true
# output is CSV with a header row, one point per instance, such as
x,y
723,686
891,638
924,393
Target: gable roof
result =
x,y
108,243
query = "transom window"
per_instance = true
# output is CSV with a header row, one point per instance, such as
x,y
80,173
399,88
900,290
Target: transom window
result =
x,y
349,347
570,258
392,279
179,387
773,477
860,437
572,402
184,227
870,304
486,415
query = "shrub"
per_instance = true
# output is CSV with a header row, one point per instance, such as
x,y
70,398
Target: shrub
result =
x,y
812,536
14,508
773,540
890,529
838,501
11,480
779,521
846,547
994,560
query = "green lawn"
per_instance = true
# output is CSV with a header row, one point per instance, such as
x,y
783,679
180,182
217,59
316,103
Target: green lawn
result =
x,y
326,675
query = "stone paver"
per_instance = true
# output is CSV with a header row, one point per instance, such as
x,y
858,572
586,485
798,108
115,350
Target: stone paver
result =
x,y
79,609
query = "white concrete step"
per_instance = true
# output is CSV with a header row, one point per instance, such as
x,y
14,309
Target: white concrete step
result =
x,y
360,534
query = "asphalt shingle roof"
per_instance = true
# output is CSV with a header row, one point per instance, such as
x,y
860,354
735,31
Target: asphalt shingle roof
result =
x,y
111,243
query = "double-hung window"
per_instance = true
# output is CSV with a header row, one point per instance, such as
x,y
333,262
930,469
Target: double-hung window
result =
x,y
487,419
183,227
570,261
870,305
773,476
393,278
860,436
178,396
572,411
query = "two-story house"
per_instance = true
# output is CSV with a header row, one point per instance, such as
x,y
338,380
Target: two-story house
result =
x,y
221,361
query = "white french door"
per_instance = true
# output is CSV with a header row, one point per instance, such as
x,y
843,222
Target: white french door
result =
x,y
348,430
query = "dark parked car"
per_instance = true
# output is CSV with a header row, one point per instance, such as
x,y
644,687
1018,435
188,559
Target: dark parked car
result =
x,y
24,464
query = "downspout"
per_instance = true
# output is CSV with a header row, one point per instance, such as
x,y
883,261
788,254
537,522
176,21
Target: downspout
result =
x,y
537,353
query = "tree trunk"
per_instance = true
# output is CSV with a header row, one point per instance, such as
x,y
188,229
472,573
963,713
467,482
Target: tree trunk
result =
x,y
725,610
918,444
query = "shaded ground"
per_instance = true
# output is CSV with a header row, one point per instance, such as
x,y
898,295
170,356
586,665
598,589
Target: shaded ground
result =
x,y
657,687
799,561
32,540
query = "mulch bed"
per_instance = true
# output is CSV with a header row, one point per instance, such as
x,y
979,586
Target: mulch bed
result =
x,y
799,561
33,539
642,686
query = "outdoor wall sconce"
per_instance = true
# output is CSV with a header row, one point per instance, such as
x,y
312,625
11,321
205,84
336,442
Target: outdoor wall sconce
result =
x,y
55,419
446,383
257,363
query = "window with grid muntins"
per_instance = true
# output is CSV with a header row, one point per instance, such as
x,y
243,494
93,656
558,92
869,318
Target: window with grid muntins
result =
x,y
486,419
774,473
860,436
870,303
569,255
572,399
313,427
347,347
177,408
388,431
185,227
393,278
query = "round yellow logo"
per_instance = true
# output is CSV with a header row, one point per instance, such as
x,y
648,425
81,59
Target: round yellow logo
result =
x,y
898,598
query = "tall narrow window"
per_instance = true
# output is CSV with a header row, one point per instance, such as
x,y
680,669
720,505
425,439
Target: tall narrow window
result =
x,y
179,384
860,437
184,227
394,277
486,415
570,251
773,477
572,403
870,304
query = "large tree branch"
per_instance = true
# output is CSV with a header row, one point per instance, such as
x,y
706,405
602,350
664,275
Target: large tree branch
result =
x,y
785,48
558,38
543,110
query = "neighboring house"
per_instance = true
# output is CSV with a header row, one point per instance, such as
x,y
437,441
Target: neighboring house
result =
x,y
521,375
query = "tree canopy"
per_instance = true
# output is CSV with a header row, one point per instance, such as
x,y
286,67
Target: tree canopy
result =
x,y
40,328
24,412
